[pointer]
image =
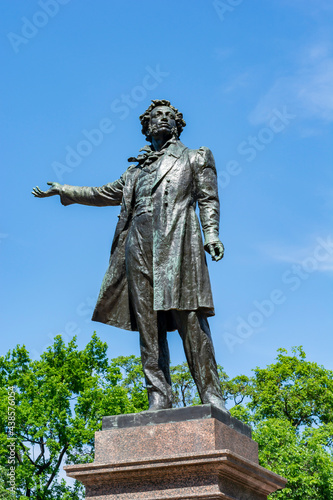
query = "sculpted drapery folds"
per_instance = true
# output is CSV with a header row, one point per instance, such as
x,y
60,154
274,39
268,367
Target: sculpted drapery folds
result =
x,y
157,279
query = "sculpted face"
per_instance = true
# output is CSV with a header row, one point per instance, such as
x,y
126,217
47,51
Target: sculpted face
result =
x,y
162,121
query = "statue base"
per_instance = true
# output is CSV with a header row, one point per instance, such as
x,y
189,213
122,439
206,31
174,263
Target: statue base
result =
x,y
198,452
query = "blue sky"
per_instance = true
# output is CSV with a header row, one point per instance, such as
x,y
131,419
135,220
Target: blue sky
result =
x,y
254,82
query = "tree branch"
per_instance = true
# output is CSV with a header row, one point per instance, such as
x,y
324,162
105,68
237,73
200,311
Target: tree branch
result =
x,y
26,454
42,450
56,468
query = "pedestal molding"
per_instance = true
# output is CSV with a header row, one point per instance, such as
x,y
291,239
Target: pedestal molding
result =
x,y
225,463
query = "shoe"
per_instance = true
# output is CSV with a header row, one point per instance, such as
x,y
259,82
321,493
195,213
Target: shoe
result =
x,y
158,402
158,407
218,403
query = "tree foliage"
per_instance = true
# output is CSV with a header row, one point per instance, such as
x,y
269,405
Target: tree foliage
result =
x,y
294,389
290,408
5,494
60,401
304,458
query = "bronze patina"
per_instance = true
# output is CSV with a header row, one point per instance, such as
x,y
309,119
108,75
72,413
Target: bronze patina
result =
x,y
157,280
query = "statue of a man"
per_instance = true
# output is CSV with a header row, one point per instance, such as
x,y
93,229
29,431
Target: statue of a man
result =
x,y
157,280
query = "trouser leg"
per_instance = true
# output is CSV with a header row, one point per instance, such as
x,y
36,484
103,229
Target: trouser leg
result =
x,y
156,361
199,350
153,335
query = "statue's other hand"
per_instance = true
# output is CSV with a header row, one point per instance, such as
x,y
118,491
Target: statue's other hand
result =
x,y
54,189
216,250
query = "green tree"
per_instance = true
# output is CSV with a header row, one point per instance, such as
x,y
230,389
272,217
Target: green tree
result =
x,y
184,391
305,458
183,387
290,407
294,389
5,494
60,401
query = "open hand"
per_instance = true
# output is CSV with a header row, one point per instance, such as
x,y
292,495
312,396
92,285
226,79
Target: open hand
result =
x,y
54,189
216,250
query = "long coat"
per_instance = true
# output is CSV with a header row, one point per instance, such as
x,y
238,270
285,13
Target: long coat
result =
x,y
183,179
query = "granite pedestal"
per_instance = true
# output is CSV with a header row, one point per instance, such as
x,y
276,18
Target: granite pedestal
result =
x,y
197,452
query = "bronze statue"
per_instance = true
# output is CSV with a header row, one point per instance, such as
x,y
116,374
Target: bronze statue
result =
x,y
157,280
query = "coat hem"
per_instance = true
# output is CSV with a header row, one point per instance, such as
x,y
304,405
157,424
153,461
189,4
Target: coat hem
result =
x,y
207,311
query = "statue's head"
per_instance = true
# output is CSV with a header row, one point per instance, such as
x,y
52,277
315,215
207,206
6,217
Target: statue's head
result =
x,y
145,118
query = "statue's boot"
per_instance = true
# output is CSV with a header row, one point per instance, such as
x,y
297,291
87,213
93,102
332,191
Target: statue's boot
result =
x,y
216,401
158,401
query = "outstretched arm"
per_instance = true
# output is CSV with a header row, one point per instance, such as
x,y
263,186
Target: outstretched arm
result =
x,y
208,201
109,194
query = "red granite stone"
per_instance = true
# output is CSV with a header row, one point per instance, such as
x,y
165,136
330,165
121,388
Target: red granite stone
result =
x,y
170,439
199,459
211,475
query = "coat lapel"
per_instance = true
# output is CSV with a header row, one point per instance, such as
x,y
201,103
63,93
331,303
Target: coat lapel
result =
x,y
168,160
129,189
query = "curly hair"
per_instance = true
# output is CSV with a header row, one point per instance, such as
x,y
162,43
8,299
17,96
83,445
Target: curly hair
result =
x,y
145,117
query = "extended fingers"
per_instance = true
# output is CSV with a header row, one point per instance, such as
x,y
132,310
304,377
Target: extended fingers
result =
x,y
37,192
